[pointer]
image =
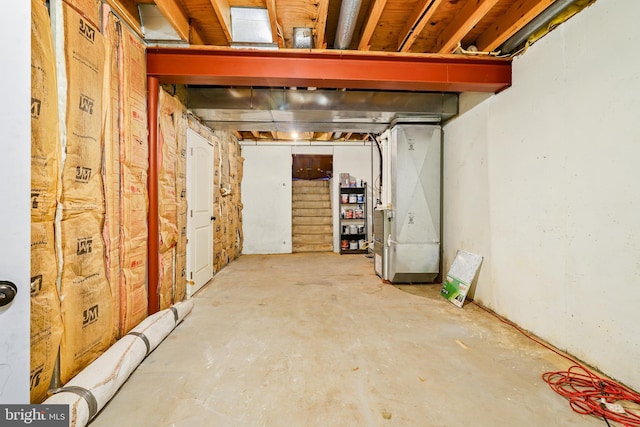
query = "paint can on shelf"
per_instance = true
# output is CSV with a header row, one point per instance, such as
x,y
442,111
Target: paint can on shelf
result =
x,y
344,198
344,244
349,213
353,198
358,213
362,244
353,244
361,229
361,198
353,229
345,229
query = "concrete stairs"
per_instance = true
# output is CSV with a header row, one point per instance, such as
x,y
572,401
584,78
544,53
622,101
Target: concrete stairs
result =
x,y
312,217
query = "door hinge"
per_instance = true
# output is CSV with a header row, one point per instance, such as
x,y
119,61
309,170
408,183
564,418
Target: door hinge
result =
x,y
191,211
191,275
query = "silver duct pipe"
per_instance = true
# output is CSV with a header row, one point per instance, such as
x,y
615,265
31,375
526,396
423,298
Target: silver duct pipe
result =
x,y
347,23
534,25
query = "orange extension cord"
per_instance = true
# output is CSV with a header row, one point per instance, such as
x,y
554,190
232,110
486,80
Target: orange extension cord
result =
x,y
588,393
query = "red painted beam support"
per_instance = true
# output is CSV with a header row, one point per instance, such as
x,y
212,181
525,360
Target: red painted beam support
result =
x,y
153,241
329,69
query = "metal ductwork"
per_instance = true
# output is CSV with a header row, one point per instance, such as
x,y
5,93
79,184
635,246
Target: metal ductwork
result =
x,y
349,11
535,24
258,109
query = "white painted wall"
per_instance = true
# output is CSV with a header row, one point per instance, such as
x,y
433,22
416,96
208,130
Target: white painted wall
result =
x,y
357,161
543,181
15,214
267,200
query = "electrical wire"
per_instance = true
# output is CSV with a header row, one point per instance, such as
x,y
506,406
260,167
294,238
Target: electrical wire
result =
x,y
587,393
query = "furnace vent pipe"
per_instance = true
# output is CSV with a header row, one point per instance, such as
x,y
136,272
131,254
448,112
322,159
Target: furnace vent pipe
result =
x,y
89,391
347,23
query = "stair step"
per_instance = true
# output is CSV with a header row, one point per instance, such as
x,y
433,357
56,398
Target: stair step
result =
x,y
312,220
312,239
311,190
311,204
312,229
325,212
313,248
309,197
306,183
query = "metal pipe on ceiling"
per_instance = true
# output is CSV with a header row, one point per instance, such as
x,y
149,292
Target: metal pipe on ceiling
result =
x,y
535,24
349,11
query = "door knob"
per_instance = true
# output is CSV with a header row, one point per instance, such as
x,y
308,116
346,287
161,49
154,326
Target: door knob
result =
x,y
8,292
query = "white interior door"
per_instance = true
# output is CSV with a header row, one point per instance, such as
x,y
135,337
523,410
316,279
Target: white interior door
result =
x,y
200,212
15,215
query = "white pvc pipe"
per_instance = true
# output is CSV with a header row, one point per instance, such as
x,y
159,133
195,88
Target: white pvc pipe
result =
x,y
89,391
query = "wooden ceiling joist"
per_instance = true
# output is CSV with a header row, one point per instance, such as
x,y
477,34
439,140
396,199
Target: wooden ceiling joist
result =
x,y
195,36
223,12
416,23
321,24
464,21
372,21
179,21
516,17
273,21
123,12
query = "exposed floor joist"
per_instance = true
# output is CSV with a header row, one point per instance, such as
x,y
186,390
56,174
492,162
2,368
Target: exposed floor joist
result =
x,y
179,21
223,12
372,21
519,15
464,22
416,23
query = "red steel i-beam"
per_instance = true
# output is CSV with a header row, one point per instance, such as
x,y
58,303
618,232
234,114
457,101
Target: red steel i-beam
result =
x,y
328,69
153,241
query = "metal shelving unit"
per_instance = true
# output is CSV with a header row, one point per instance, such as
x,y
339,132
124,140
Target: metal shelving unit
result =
x,y
353,219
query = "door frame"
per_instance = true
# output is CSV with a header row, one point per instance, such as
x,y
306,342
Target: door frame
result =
x,y
15,215
191,192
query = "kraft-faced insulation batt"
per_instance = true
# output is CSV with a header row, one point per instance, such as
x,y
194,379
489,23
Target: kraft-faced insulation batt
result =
x,y
46,323
84,291
134,164
111,169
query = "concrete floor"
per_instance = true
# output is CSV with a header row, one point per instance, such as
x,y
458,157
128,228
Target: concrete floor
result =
x,y
319,340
